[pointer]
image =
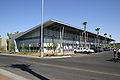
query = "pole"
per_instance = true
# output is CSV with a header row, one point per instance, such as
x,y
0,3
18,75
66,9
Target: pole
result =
x,y
97,39
42,44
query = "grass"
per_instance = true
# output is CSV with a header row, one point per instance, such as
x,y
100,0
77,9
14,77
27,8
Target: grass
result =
x,y
30,53
20,52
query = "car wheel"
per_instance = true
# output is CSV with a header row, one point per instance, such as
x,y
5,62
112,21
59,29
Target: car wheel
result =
x,y
75,52
85,52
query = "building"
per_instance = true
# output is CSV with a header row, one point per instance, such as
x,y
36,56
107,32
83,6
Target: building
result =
x,y
115,44
66,36
4,44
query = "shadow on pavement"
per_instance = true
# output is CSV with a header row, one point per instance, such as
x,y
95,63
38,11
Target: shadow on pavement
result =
x,y
116,60
26,67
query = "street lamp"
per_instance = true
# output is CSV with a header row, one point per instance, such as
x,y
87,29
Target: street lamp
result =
x,y
42,44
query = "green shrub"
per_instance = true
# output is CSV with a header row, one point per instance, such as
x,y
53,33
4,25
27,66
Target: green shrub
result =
x,y
26,47
54,47
12,48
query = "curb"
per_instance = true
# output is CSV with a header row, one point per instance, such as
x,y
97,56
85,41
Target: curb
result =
x,y
38,56
11,75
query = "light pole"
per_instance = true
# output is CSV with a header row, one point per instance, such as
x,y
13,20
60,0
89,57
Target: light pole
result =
x,y
42,44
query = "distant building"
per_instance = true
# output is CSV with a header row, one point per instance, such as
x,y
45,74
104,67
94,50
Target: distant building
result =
x,y
4,44
68,37
115,44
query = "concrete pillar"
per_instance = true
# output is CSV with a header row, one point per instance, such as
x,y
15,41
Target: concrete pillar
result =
x,y
61,39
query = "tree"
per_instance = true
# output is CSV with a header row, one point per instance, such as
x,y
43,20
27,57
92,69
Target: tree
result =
x,y
1,48
12,47
105,39
33,45
54,47
10,35
85,23
110,39
26,47
110,36
105,34
97,30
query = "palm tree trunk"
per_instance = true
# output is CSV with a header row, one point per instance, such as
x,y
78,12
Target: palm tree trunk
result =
x,y
85,36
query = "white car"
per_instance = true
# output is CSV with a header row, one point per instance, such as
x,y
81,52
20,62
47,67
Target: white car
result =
x,y
83,50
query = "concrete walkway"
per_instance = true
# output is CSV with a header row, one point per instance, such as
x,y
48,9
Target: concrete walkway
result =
x,y
3,77
6,75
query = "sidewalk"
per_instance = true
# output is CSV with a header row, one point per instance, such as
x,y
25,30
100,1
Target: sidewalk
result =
x,y
3,77
6,75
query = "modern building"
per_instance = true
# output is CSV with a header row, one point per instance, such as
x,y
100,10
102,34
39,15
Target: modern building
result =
x,y
66,36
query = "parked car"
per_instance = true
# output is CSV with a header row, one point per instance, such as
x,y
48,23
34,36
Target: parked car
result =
x,y
106,49
99,49
95,50
83,50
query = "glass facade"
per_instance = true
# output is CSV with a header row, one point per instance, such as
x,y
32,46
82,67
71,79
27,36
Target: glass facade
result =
x,y
70,38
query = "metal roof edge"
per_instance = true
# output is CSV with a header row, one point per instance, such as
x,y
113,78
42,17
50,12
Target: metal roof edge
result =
x,y
77,28
27,31
53,20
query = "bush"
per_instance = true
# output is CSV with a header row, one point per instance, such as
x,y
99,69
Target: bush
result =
x,y
24,52
54,47
20,52
26,47
12,48
1,49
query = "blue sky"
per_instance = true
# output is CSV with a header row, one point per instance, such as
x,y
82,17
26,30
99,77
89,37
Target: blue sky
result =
x,y
21,15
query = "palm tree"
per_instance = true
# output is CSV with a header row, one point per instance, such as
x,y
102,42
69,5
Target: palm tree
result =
x,y
0,35
10,35
105,34
110,39
110,36
105,39
85,23
97,30
16,32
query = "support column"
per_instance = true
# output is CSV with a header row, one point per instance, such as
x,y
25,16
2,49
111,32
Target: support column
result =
x,y
82,39
61,39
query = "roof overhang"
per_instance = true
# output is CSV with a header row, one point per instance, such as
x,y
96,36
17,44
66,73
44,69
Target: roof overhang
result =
x,y
50,22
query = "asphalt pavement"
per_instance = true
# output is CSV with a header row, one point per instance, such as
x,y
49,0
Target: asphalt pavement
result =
x,y
97,66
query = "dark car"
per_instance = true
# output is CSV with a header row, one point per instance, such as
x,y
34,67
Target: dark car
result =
x,y
95,50
106,49
100,49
